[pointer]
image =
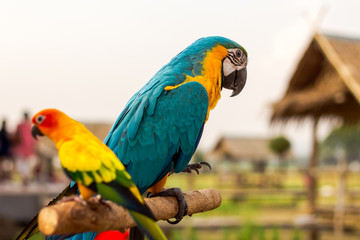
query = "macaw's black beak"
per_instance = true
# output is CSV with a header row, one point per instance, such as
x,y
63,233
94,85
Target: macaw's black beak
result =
x,y
235,81
35,131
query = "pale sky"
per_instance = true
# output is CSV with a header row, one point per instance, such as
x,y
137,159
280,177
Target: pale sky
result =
x,y
87,58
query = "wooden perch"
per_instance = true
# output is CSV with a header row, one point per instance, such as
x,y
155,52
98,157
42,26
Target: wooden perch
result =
x,y
74,217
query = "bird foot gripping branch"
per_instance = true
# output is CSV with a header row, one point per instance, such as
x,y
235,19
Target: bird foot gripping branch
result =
x,y
182,205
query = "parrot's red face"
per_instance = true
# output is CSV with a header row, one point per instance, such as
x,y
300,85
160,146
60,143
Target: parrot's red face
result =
x,y
44,122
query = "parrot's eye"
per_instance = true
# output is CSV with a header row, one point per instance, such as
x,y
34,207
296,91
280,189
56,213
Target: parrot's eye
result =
x,y
40,119
237,57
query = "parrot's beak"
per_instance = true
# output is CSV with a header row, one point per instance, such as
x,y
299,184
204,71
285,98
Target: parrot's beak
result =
x,y
35,131
235,81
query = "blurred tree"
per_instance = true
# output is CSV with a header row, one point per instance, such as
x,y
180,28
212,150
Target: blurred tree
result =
x,y
279,145
346,138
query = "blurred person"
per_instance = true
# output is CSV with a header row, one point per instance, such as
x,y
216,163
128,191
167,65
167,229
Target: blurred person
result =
x,y
6,164
24,149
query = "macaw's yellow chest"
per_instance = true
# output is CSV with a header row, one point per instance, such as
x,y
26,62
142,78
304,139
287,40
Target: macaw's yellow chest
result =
x,y
210,76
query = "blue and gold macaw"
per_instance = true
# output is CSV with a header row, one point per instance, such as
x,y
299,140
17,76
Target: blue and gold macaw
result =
x,y
160,128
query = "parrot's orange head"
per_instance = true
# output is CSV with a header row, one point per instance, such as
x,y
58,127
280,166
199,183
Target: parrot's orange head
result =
x,y
46,122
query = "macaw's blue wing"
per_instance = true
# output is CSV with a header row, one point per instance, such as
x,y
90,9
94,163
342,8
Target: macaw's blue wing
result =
x,y
154,136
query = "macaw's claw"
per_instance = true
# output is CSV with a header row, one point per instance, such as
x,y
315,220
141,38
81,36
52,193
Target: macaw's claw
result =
x,y
75,198
195,167
177,193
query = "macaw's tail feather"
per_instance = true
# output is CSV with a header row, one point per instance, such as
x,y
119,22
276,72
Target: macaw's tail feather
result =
x,y
148,225
32,227
124,197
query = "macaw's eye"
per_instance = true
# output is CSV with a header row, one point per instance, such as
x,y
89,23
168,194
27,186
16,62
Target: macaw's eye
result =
x,y
238,53
40,119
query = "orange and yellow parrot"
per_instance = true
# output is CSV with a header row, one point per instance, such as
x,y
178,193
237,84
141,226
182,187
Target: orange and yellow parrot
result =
x,y
94,167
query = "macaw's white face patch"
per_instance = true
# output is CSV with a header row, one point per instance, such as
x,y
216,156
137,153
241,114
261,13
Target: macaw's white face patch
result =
x,y
234,70
236,60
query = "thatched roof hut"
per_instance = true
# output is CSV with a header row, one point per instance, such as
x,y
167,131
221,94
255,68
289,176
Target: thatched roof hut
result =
x,y
326,82
242,149
247,151
253,152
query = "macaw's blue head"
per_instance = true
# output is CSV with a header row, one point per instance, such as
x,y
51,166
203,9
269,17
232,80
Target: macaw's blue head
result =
x,y
216,52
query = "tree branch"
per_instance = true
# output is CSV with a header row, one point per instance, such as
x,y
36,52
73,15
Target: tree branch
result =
x,y
74,217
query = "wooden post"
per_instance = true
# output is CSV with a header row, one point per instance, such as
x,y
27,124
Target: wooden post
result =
x,y
339,210
312,178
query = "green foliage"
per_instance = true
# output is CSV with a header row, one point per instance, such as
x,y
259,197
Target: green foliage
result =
x,y
176,234
275,234
226,233
296,235
261,233
193,234
279,145
246,232
346,138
